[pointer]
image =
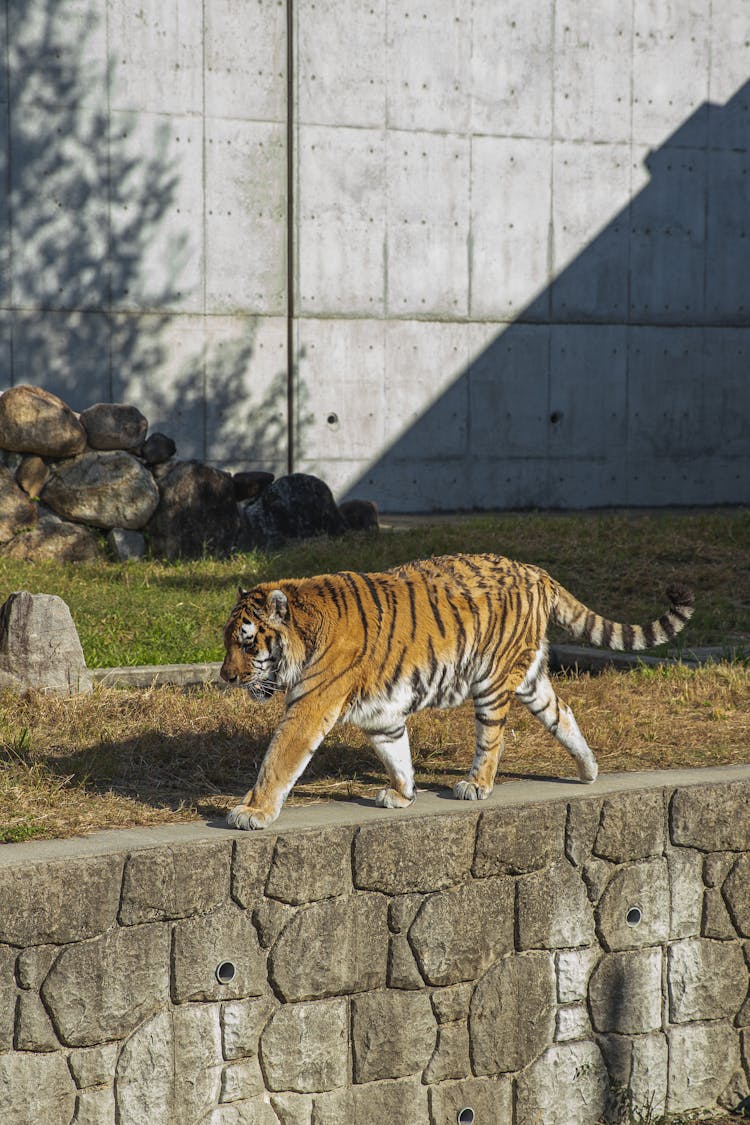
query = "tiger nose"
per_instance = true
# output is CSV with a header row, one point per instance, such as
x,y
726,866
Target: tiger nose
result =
x,y
225,674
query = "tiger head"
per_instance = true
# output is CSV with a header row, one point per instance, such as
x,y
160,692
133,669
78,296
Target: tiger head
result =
x,y
257,639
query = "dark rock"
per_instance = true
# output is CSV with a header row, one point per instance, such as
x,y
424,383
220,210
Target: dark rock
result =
x,y
125,544
33,420
196,514
16,510
53,538
114,425
157,448
249,485
360,515
293,507
32,475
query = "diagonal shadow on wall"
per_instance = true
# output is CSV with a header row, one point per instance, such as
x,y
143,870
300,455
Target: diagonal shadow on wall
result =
x,y
627,380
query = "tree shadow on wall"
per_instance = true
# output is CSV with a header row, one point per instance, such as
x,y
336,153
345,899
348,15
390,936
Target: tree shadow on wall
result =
x,y
100,263
625,382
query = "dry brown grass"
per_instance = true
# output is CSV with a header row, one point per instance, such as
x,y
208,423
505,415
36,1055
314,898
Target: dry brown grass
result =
x,y
122,758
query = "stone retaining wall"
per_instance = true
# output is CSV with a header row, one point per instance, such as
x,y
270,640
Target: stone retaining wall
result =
x,y
540,961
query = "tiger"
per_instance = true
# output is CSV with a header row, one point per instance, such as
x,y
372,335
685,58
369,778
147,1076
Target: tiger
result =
x,y
372,649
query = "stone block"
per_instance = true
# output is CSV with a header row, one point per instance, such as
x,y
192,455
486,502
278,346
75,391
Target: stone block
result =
x,y
34,1030
269,919
393,1034
174,882
7,996
568,1083
553,911
241,1024
716,921
707,980
445,934
41,895
95,1106
574,967
490,1098
702,1059
417,855
200,944
451,1057
240,1080
102,989
596,875
35,1088
250,867
512,1014
641,887
632,827
515,841
451,1003
39,644
309,866
301,966
625,992
712,817
402,1099
304,1047
293,1109
93,1066
737,894
649,1074
581,828
402,911
402,968
716,867
686,892
572,1023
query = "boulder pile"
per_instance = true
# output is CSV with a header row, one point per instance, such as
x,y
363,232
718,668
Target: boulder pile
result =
x,y
67,478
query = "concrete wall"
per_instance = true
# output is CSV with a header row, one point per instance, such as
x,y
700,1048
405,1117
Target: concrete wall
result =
x,y
519,235
555,960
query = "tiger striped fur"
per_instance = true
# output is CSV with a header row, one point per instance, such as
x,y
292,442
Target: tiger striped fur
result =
x,y
371,649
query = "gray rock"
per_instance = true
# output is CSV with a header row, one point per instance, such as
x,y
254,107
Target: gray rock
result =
x,y
17,511
114,425
490,1098
625,992
312,865
305,1047
126,544
241,1080
34,1030
512,1015
294,1109
157,448
36,900
402,910
33,420
707,980
685,892
241,1024
632,827
712,817
32,475
641,886
649,1075
446,934
574,968
393,1034
716,922
584,815
95,1106
737,894
403,1099
515,841
703,1057
176,881
34,963
452,1003
568,1083
196,513
451,1057
39,644
269,919
35,1087
251,865
93,1066
553,910
200,944
104,489
54,539
7,996
572,1023
301,965
716,867
102,989
298,506
402,968
424,854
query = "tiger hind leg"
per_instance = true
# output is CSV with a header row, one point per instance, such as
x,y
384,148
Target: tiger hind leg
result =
x,y
539,696
392,748
490,713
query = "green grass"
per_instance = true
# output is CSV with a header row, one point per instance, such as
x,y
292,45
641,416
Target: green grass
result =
x,y
147,612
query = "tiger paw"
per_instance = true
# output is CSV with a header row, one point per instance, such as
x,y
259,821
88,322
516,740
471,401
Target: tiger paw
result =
x,y
391,799
243,816
470,791
588,772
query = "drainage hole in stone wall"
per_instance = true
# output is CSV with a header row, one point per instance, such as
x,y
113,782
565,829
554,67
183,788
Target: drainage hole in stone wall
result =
x,y
226,971
633,916
465,1116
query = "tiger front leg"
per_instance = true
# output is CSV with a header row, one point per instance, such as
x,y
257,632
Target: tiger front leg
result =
x,y
288,753
490,714
392,748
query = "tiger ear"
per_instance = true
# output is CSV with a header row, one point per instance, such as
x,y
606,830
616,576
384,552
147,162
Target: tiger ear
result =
x,y
277,607
241,593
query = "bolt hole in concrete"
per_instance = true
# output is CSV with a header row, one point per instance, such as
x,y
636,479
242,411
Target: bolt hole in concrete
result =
x,y
333,421
226,971
465,1116
633,916
555,417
